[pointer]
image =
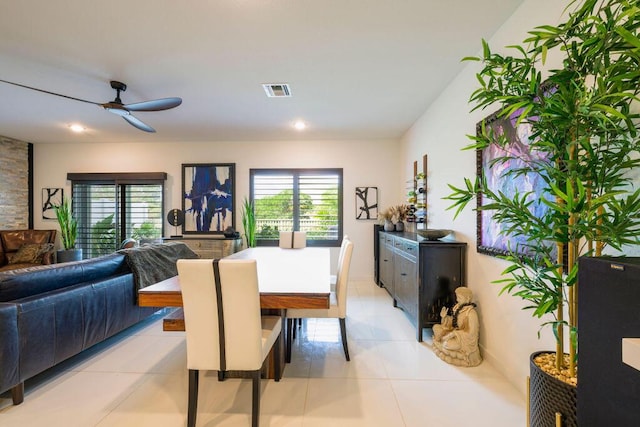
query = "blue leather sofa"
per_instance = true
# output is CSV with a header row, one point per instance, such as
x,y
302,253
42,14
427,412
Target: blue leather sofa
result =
x,y
50,313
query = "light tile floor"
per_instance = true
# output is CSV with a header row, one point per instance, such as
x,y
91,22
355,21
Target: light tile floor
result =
x,y
139,378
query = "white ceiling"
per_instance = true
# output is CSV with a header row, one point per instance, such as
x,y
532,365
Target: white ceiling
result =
x,y
358,69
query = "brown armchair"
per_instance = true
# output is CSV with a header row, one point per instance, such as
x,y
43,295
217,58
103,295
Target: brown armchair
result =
x,y
26,248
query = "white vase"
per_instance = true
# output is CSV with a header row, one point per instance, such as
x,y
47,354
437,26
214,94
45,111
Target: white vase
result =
x,y
388,226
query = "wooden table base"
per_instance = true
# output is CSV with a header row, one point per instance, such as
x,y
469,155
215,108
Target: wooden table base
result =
x,y
174,321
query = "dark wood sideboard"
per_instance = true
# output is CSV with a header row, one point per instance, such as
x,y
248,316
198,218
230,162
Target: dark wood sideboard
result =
x,y
420,275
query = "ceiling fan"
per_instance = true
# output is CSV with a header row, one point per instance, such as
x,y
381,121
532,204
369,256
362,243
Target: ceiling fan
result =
x,y
117,107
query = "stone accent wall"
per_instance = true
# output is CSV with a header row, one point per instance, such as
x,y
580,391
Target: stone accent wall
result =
x,y
14,184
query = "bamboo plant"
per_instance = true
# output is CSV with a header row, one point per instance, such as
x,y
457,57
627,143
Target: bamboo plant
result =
x,y
584,122
68,224
249,222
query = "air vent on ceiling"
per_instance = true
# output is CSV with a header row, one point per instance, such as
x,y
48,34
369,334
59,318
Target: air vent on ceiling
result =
x,y
277,90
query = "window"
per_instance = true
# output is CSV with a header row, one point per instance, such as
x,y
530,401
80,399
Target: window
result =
x,y
113,207
307,200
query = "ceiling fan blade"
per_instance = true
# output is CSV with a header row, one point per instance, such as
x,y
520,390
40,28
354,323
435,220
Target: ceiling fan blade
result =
x,y
116,106
138,123
155,105
51,93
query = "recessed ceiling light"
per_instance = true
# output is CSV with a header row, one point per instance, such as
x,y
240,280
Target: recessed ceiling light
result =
x,y
300,125
77,128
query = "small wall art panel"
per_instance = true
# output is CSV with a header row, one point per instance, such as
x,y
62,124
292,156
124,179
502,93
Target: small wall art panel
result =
x,y
367,203
51,197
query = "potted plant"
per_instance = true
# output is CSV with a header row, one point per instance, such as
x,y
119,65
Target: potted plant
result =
x,y
249,222
584,130
401,213
68,232
386,218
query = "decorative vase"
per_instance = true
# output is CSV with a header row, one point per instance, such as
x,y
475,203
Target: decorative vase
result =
x,y
399,226
69,255
548,395
388,226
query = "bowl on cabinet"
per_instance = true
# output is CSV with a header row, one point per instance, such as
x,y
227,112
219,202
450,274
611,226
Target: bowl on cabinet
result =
x,y
433,234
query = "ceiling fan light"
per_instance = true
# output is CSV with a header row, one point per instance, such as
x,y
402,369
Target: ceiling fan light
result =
x,y
300,125
77,128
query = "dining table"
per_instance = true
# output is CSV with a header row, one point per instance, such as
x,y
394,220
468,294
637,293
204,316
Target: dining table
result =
x,y
287,278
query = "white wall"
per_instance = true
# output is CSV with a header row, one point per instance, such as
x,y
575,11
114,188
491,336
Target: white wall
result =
x,y
365,163
508,334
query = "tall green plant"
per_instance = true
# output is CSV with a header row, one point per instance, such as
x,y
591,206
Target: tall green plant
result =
x,y
584,126
68,224
249,222
103,235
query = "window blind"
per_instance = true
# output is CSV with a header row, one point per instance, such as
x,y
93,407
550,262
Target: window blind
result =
x,y
307,200
116,208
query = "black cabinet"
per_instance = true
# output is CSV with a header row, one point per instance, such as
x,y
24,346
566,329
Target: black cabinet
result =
x,y
609,302
385,261
421,275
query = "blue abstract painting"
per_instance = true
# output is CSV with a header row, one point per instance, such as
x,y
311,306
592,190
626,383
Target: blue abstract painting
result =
x,y
207,202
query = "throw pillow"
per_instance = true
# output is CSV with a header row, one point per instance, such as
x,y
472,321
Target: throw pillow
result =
x,y
31,253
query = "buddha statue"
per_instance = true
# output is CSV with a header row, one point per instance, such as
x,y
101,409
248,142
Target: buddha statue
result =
x,y
455,339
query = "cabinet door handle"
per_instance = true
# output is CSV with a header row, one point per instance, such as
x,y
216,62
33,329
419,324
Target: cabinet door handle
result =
x,y
403,274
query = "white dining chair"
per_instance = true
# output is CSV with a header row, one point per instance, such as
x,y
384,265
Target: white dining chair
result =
x,y
337,308
292,239
334,277
223,326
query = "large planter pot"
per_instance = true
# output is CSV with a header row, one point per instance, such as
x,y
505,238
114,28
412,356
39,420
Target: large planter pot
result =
x,y
548,396
69,255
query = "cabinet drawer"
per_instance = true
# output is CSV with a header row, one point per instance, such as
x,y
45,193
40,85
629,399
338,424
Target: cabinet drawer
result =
x,y
410,248
388,239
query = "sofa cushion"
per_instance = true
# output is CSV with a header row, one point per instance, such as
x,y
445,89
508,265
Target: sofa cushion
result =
x,y
31,253
15,284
